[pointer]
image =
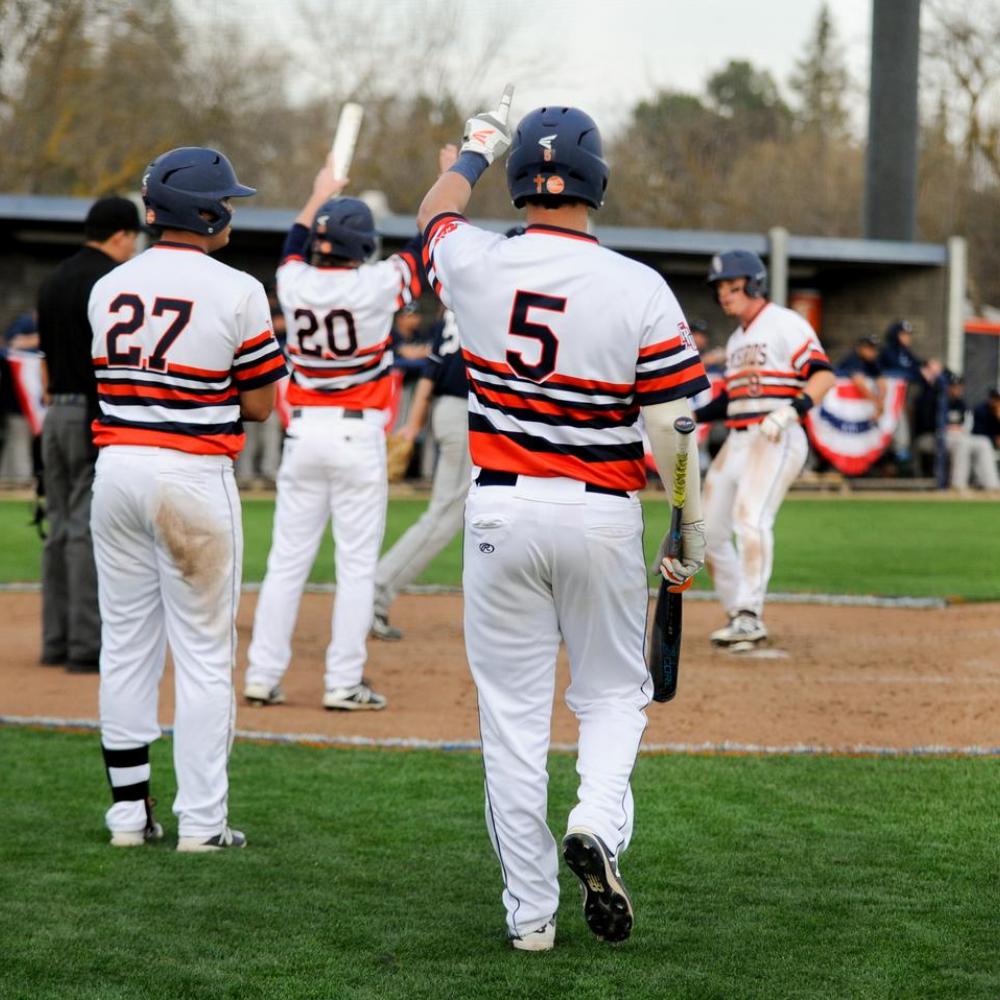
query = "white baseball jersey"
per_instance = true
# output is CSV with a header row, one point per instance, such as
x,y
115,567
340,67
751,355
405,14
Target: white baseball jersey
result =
x,y
769,363
339,321
561,349
177,336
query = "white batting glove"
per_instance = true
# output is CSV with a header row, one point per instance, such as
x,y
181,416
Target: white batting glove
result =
x,y
775,423
679,570
487,132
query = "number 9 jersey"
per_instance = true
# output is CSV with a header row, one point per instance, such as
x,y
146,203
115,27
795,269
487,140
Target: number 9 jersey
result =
x,y
563,341
177,335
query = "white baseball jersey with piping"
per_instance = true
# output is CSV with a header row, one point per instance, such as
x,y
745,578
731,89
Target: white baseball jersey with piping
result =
x,y
177,337
339,321
767,365
563,341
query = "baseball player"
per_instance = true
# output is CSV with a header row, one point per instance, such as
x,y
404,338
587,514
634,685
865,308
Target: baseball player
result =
x,y
338,312
441,392
776,371
564,343
183,349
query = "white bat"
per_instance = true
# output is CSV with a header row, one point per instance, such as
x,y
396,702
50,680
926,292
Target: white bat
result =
x,y
342,150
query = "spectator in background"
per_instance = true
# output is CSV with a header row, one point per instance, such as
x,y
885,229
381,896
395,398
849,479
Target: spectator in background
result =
x,y
20,455
986,418
71,622
862,368
714,360
410,349
941,410
897,360
258,462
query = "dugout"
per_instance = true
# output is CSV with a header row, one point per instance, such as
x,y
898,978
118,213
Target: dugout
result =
x,y
848,287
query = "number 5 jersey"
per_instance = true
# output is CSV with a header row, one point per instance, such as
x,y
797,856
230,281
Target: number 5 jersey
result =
x,y
563,341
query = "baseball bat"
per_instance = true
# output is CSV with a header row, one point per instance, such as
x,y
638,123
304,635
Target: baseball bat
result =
x,y
342,148
665,642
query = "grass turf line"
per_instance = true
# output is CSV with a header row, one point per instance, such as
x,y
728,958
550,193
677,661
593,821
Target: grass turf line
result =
x,y
369,874
884,547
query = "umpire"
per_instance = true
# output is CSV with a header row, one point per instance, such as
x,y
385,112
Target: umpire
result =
x,y
71,622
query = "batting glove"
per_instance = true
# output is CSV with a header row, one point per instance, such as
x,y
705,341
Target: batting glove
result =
x,y
774,424
679,570
488,133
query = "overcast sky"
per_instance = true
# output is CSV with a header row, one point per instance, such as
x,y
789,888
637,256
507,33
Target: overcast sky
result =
x,y
602,55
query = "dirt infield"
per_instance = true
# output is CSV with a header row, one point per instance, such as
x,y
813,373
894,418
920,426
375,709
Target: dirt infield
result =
x,y
842,678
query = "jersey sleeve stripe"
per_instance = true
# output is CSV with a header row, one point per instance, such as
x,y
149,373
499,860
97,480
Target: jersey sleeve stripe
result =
x,y
271,370
251,345
662,349
435,224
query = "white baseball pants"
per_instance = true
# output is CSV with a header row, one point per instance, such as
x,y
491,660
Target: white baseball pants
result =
x,y
545,559
439,524
743,490
332,466
168,544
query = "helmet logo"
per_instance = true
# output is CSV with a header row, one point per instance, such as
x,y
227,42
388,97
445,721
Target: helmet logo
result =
x,y
555,185
546,143
716,263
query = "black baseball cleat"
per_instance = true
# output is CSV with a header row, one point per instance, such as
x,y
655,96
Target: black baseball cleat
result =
x,y
606,904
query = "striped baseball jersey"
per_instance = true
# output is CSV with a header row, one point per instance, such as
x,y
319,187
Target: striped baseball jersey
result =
x,y
563,341
177,335
339,321
769,363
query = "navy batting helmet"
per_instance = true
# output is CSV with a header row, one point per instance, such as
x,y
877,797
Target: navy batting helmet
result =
x,y
347,225
185,185
740,264
557,152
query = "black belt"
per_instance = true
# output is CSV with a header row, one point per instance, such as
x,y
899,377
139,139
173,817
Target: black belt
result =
x,y
493,477
347,414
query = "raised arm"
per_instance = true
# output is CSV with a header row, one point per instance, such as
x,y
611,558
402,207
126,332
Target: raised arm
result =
x,y
487,136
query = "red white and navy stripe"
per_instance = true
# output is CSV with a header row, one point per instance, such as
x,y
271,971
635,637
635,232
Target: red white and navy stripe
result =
x,y
581,428
190,409
360,381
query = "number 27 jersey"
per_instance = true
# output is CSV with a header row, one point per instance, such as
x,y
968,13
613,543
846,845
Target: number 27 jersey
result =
x,y
563,341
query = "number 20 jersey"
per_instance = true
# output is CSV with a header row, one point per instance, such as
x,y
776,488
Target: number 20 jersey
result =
x,y
339,322
563,341
177,335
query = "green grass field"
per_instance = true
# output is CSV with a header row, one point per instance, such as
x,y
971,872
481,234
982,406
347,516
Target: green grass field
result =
x,y
369,874
846,546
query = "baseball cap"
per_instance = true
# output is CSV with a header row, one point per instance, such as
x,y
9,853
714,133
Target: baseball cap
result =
x,y
899,326
108,215
866,341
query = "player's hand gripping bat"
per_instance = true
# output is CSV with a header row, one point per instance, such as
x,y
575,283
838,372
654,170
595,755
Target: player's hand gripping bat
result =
x,y
665,643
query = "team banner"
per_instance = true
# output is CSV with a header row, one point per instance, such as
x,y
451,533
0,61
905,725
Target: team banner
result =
x,y
845,430
26,378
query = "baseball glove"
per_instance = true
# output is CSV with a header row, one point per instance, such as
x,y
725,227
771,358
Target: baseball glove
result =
x,y
398,452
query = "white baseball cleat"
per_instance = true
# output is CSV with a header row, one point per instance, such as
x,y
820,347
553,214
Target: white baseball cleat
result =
x,y
207,845
136,838
744,627
353,699
541,939
261,694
